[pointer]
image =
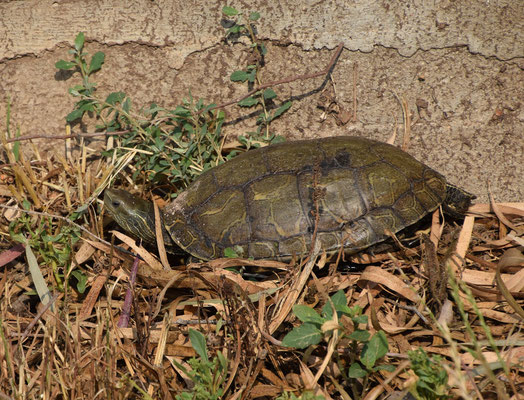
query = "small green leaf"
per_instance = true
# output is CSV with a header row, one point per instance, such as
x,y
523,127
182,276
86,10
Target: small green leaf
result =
x,y
375,349
385,367
96,62
181,111
87,105
207,108
359,335
235,29
89,86
229,11
126,105
17,237
360,319
230,253
307,314
249,102
16,146
303,336
354,312
282,109
198,341
252,75
345,310
62,64
239,76
82,280
356,371
222,360
184,396
26,204
75,114
115,97
338,299
76,88
269,94
79,42
254,16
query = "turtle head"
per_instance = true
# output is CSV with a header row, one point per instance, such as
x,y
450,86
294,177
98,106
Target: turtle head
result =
x,y
133,214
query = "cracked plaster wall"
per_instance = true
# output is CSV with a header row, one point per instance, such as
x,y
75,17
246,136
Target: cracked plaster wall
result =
x,y
464,59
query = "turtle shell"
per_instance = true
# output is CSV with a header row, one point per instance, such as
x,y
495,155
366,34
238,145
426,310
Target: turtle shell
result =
x,y
263,203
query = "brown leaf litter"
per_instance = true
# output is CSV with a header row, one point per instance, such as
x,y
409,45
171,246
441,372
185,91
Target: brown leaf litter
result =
x,y
243,307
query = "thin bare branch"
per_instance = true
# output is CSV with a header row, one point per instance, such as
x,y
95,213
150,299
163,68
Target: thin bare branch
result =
x,y
289,79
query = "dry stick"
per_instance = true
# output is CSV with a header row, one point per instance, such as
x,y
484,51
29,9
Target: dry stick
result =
x,y
295,290
236,361
331,346
74,135
37,317
377,390
161,347
261,322
160,238
290,79
128,300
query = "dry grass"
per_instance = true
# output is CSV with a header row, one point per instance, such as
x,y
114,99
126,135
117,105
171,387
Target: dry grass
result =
x,y
67,344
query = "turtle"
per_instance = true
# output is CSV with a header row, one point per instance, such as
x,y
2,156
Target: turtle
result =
x,y
269,203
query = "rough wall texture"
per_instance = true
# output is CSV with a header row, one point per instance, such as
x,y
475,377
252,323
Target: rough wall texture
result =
x,y
459,65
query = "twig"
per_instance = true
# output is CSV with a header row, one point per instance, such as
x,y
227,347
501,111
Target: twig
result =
x,y
269,337
181,321
74,135
413,309
35,163
128,301
333,342
37,317
324,71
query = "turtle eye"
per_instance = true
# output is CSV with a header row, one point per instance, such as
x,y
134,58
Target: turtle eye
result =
x,y
116,203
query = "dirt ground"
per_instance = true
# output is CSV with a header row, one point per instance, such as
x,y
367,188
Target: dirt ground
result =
x,y
459,69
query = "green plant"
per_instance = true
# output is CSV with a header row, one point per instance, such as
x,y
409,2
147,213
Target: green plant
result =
x,y
365,350
86,90
208,375
172,146
432,383
54,249
461,294
175,146
244,25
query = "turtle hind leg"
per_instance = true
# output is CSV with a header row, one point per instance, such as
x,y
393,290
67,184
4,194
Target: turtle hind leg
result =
x,y
457,201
